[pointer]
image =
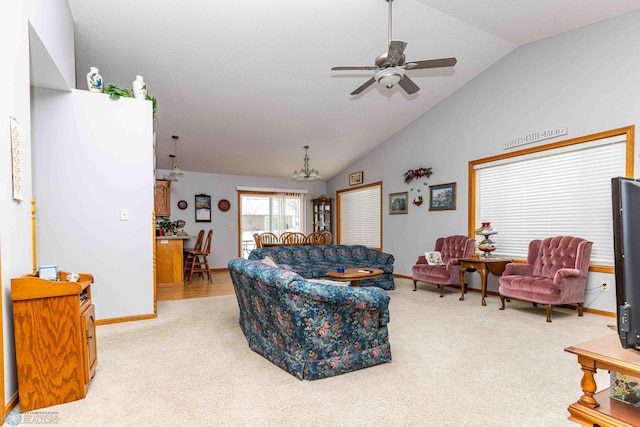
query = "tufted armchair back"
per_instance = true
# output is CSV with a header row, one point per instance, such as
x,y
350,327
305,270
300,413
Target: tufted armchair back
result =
x,y
454,247
554,253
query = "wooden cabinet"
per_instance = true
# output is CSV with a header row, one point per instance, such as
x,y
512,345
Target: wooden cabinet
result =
x,y
598,409
322,208
55,338
169,260
162,199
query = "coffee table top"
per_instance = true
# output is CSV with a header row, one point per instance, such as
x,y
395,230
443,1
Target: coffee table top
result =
x,y
359,273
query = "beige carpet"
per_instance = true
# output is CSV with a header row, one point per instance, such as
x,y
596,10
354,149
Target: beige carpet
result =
x,y
455,363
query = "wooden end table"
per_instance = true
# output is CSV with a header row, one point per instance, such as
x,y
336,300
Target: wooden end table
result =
x,y
482,265
598,408
355,275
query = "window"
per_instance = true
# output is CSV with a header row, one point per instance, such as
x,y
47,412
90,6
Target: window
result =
x,y
557,189
269,211
360,216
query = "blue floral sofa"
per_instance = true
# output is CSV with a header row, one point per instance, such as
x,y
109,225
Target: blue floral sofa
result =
x,y
315,261
311,330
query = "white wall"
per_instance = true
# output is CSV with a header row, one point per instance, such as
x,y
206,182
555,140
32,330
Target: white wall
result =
x,y
92,157
224,244
15,217
586,80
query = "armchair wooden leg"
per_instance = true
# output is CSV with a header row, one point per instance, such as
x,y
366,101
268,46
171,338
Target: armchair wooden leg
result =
x,y
441,290
549,307
580,311
415,285
502,301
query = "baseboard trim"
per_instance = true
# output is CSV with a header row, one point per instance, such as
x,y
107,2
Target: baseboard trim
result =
x,y
496,294
125,319
10,406
219,270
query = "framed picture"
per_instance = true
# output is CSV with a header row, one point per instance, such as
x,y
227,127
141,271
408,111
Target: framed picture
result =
x,y
398,203
442,197
48,272
203,208
355,178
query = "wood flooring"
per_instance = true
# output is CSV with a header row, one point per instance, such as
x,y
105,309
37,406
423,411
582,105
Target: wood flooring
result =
x,y
199,287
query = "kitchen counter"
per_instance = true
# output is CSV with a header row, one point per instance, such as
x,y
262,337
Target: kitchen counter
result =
x,y
169,259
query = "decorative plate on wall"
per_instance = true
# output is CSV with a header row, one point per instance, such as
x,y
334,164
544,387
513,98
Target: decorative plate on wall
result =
x,y
224,205
182,204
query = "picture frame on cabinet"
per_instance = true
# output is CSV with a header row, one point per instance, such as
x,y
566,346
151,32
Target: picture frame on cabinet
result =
x,y
48,272
442,197
203,208
355,178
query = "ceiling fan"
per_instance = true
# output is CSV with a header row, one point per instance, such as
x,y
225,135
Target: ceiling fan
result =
x,y
391,66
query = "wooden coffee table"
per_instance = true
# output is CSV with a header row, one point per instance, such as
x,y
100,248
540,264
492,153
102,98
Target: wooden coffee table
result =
x,y
355,275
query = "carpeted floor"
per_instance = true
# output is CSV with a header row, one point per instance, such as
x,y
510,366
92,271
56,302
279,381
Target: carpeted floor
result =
x,y
455,363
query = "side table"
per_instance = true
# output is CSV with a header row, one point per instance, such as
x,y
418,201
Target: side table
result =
x,y
482,265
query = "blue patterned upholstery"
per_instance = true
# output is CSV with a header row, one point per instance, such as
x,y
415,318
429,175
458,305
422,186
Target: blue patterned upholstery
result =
x,y
315,261
310,330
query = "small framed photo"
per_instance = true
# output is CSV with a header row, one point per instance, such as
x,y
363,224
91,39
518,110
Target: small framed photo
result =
x,y
48,272
398,203
355,178
442,197
203,208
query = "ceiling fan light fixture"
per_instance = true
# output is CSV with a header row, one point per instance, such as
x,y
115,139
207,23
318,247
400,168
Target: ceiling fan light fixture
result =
x,y
389,77
176,171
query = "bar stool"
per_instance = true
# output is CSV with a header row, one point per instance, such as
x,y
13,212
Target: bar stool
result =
x,y
200,263
188,253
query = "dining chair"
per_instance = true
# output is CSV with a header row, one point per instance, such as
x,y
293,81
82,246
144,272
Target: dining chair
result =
x,y
188,253
200,263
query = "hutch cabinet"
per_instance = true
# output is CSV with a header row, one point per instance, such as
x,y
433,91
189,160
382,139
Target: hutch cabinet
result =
x,y
55,338
322,208
162,199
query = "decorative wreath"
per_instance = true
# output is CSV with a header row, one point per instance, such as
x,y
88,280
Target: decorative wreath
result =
x,y
412,174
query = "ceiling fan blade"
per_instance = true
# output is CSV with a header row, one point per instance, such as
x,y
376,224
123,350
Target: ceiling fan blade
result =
x,y
364,86
397,45
431,63
395,55
408,85
364,67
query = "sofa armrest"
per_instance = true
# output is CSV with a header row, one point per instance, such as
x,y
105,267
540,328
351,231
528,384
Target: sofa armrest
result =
x,y
451,263
565,273
513,269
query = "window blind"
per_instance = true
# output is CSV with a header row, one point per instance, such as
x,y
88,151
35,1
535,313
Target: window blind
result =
x,y
360,216
551,193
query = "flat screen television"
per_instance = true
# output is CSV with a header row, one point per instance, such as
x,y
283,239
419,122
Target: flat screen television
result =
x,y
625,195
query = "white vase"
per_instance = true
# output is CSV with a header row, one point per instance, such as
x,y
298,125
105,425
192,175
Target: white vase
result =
x,y
94,80
139,88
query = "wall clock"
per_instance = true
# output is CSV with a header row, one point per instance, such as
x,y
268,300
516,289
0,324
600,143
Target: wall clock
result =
x,y
182,204
224,205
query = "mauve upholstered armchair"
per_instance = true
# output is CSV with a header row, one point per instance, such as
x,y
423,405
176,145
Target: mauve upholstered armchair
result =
x,y
555,273
451,248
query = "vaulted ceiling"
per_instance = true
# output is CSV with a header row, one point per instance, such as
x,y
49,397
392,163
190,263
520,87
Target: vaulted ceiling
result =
x,y
246,84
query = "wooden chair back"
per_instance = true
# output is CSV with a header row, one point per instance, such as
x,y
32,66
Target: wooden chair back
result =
x,y
294,239
315,238
268,238
327,237
198,246
206,249
256,238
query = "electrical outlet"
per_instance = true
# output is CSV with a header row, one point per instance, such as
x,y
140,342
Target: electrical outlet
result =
x,y
124,214
605,287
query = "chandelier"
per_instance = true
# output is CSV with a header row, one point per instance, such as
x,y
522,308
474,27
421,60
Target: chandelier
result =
x,y
175,170
306,174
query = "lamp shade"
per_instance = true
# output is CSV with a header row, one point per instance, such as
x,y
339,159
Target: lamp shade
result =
x,y
389,77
